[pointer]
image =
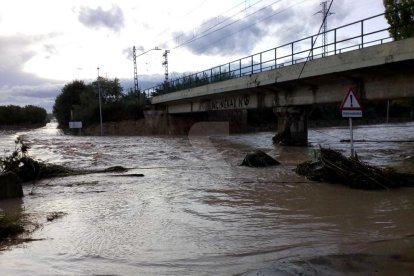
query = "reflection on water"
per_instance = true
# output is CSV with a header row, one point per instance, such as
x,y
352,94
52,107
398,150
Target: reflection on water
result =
x,y
197,212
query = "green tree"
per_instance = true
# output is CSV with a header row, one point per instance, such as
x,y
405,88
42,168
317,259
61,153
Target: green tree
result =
x,y
87,110
66,100
400,17
133,103
111,90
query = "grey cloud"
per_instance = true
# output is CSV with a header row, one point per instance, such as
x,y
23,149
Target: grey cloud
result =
x,y
42,95
145,81
112,19
127,52
295,28
14,52
50,50
16,86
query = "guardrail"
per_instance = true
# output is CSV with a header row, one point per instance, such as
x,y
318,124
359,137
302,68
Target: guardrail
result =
x,y
366,32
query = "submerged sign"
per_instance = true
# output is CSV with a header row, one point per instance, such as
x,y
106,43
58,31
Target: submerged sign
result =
x,y
75,124
352,113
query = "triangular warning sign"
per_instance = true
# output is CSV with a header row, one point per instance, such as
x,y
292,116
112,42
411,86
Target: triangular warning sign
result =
x,y
350,102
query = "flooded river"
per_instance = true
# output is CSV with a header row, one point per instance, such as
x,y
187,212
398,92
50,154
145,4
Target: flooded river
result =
x,y
197,212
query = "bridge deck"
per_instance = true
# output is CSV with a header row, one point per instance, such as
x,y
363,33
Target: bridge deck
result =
x,y
393,57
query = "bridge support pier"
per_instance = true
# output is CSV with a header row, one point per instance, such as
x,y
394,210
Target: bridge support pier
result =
x,y
292,127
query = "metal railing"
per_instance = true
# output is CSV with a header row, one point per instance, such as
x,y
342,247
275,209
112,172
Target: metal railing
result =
x,y
365,33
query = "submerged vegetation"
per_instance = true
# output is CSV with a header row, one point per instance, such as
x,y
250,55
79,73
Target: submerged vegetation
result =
x,y
12,227
331,166
30,169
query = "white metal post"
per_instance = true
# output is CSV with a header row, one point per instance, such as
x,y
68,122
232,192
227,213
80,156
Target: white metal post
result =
x,y
100,105
352,136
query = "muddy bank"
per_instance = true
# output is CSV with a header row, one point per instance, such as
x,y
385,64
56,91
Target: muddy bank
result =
x,y
16,226
123,128
162,124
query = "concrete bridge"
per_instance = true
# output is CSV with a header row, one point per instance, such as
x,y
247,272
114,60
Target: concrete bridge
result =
x,y
379,72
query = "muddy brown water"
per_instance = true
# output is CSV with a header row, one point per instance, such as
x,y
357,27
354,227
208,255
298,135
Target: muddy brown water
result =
x,y
197,212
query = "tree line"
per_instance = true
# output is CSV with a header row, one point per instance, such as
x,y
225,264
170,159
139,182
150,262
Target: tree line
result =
x,y
79,101
16,115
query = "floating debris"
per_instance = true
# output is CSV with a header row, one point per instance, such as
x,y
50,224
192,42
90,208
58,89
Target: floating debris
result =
x,y
129,175
259,158
55,215
331,166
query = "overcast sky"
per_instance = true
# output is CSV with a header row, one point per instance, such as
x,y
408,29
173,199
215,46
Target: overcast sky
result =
x,y
47,43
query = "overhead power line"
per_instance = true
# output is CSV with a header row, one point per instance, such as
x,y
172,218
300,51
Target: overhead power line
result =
x,y
185,15
219,22
225,26
277,12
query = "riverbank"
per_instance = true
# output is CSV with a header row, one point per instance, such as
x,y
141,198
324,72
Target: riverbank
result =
x,y
20,127
162,127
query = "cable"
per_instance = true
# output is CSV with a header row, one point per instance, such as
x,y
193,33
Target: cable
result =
x,y
225,20
263,19
184,16
232,23
175,38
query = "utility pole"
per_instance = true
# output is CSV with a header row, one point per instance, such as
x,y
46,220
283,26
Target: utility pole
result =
x,y
325,13
165,64
135,70
100,104
135,64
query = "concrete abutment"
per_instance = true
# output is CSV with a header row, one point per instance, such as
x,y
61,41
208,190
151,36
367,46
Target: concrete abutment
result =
x,y
292,129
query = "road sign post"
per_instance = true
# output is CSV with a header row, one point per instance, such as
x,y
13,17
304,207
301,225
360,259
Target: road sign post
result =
x,y
351,108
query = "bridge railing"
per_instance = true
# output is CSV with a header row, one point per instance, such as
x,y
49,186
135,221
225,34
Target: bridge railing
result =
x,y
366,32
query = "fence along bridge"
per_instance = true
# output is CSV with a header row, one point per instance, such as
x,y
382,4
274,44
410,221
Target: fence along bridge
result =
x,y
291,77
